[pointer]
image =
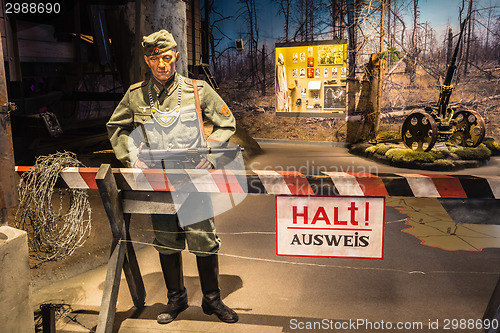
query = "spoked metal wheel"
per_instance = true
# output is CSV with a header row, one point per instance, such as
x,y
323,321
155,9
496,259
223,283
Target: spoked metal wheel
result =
x,y
469,130
419,131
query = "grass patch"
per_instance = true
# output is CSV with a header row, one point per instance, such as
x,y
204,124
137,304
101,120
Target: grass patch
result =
x,y
389,134
408,155
398,155
480,152
380,149
444,164
492,145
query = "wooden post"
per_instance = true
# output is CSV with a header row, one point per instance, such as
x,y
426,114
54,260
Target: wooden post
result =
x,y
107,311
131,269
8,190
122,253
138,39
13,57
48,318
78,39
112,205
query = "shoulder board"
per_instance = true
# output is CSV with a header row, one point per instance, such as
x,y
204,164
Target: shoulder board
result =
x,y
138,85
199,83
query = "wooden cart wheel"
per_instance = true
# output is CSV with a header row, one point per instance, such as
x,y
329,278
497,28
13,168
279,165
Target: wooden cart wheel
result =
x,y
419,131
469,130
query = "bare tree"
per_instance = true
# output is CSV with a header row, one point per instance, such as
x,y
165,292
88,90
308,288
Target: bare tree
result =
x,y
352,24
488,29
304,20
413,50
449,45
285,7
368,92
337,11
301,21
253,36
216,52
497,41
468,39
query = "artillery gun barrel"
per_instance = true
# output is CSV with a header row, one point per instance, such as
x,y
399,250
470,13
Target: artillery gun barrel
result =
x,y
446,87
452,66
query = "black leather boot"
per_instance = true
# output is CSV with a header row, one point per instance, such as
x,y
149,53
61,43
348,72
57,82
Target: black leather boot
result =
x,y
171,266
208,268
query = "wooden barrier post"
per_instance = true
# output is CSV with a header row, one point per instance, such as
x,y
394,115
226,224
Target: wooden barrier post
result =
x,y
122,253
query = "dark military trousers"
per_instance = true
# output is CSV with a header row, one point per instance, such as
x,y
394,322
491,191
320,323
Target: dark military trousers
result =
x,y
190,225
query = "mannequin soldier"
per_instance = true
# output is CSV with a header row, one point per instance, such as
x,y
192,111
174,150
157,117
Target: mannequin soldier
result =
x,y
166,112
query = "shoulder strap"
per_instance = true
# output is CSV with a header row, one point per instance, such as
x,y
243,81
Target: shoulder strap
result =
x,y
198,110
138,85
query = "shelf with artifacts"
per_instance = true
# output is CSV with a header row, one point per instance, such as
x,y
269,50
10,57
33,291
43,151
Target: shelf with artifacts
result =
x,y
311,78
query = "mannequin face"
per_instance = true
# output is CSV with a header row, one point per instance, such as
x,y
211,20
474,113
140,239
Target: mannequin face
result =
x,y
163,65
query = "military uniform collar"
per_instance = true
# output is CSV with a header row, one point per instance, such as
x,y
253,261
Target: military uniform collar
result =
x,y
169,87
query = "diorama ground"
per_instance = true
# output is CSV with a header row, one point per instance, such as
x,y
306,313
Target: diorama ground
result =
x,y
257,118
477,91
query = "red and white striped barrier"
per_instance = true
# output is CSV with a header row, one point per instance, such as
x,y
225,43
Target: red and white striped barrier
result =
x,y
289,182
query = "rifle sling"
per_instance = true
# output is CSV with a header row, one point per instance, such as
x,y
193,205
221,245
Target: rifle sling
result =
x,y
198,110
146,141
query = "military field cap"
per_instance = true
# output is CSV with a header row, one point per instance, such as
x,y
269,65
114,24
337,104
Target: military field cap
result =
x,y
158,42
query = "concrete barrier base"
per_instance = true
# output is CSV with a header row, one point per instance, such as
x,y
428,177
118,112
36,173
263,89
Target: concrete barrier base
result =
x,y
16,312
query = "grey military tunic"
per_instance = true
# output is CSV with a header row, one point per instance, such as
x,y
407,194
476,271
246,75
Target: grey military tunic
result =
x,y
132,123
134,110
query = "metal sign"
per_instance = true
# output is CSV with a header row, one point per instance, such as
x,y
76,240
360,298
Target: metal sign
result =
x,y
327,226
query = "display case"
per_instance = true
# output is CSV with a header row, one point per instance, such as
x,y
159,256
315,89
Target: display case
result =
x,y
311,78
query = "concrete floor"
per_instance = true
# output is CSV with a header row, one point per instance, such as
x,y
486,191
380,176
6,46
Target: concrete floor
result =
x,y
414,284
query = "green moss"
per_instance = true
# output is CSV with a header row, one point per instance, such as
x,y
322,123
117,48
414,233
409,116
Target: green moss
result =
x,y
439,159
389,134
408,155
480,152
492,145
380,149
371,149
445,164
443,153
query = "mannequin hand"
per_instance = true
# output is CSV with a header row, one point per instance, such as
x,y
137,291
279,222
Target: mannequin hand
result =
x,y
204,164
140,165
